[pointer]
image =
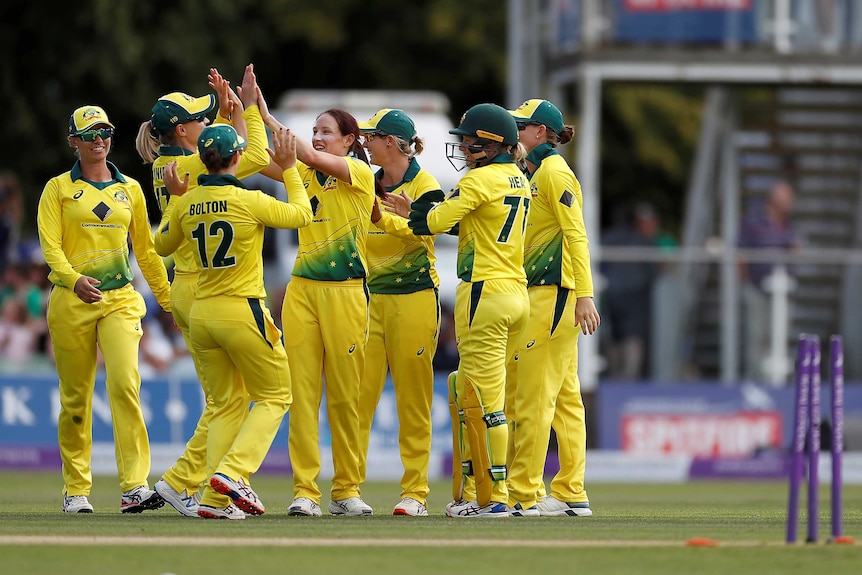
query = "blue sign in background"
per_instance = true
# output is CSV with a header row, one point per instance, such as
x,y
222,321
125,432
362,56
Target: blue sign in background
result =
x,y
616,400
29,405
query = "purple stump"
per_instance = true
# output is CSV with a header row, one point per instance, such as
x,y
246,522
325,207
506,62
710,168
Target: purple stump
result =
x,y
800,423
813,439
836,356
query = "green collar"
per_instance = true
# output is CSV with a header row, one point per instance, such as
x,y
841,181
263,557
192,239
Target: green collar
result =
x,y
219,180
174,151
116,176
412,169
502,159
541,152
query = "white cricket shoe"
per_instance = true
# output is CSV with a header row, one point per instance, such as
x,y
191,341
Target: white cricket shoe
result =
x,y
411,507
550,506
472,509
350,506
241,494
183,502
141,498
303,506
230,512
76,504
455,503
519,511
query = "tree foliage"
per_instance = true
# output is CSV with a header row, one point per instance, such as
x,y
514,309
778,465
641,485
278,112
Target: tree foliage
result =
x,y
124,55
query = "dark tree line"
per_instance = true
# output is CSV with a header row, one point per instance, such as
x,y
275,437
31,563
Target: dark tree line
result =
x,y
123,55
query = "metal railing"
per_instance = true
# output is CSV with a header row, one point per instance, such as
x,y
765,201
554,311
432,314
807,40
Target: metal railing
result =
x,y
795,293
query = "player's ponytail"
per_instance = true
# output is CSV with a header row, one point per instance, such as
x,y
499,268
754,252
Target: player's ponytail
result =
x,y
147,143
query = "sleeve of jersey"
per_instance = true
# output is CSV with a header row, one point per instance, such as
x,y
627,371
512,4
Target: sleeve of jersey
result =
x,y
565,196
142,242
168,233
255,158
361,176
395,225
444,216
50,226
295,213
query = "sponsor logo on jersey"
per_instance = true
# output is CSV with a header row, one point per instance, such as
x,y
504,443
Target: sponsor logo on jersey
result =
x,y
352,348
531,343
78,194
421,350
102,211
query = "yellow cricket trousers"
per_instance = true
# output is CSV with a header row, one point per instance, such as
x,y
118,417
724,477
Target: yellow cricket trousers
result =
x,y
240,351
76,328
489,319
543,381
189,472
325,331
402,337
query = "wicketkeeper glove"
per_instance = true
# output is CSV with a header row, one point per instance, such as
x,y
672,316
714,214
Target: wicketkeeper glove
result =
x,y
419,211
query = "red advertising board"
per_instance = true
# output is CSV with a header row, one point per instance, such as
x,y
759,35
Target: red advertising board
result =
x,y
669,5
735,434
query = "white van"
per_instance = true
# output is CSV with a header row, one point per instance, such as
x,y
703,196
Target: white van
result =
x,y
298,110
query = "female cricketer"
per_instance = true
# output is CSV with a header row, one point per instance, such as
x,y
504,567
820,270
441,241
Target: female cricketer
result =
x,y
325,310
404,306
543,386
171,135
231,329
85,220
490,205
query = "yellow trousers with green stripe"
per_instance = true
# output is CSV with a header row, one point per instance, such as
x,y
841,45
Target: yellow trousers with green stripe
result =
x,y
240,351
489,319
543,390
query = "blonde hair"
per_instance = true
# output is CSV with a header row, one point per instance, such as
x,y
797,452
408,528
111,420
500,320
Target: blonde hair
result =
x,y
417,143
519,152
147,143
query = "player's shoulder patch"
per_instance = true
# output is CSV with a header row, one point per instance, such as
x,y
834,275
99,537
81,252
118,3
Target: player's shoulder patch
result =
x,y
455,193
567,198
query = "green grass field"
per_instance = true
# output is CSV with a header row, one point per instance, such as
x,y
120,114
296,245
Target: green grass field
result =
x,y
636,529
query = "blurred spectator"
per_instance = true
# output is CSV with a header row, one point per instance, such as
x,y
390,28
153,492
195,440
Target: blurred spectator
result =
x,y
11,216
648,225
627,297
17,340
767,225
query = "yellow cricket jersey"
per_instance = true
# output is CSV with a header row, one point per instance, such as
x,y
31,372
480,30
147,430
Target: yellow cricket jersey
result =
x,y
84,229
332,247
491,204
224,224
557,249
400,262
252,160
